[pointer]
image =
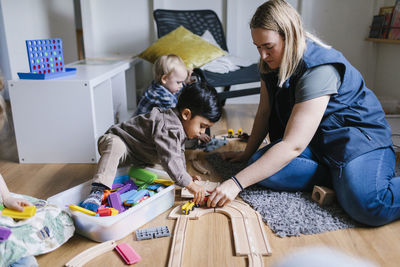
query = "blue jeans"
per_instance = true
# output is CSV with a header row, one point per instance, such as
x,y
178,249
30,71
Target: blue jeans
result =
x,y
365,187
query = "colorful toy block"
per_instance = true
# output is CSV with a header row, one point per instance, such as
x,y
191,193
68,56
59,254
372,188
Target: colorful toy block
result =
x,y
114,199
105,196
29,211
132,183
136,197
154,232
127,195
154,186
86,211
124,188
46,60
117,185
106,211
122,179
129,255
142,175
4,233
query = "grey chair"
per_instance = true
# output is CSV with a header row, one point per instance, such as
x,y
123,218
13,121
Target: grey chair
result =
x,y
198,21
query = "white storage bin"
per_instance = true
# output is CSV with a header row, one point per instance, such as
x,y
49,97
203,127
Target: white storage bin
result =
x,y
115,227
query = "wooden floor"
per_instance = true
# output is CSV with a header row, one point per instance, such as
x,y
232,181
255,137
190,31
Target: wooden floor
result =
x,y
209,239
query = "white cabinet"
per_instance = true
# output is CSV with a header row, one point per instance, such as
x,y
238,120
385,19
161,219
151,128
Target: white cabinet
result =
x,y
60,120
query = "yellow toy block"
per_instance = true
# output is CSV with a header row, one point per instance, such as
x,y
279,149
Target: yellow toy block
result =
x,y
86,211
29,211
114,211
163,182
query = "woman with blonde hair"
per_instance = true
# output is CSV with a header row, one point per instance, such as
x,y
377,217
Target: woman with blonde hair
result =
x,y
325,126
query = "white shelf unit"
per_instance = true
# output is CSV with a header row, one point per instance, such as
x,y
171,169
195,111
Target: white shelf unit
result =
x,y
60,120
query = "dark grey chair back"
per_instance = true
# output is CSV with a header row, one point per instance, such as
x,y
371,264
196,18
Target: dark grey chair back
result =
x,y
196,21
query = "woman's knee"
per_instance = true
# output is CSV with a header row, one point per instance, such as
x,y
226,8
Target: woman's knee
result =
x,y
371,212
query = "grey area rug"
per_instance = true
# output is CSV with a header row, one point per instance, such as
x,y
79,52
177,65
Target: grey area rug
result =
x,y
286,213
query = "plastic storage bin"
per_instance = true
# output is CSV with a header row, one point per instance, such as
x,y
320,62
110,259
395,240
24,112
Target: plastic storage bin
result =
x,y
115,227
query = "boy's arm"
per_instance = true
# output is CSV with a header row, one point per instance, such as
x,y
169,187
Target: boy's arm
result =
x,y
169,143
168,140
9,201
198,191
4,192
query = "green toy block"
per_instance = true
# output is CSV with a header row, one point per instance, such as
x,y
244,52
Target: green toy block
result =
x,y
144,175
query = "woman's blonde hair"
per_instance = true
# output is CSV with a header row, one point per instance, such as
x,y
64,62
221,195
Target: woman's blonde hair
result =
x,y
166,64
279,16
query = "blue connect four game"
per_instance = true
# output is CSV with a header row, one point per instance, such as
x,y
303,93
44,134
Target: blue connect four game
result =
x,y
46,60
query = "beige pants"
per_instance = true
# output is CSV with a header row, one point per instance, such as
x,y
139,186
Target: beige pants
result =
x,y
113,152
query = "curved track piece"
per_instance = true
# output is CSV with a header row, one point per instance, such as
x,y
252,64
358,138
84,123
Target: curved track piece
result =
x,y
248,232
91,253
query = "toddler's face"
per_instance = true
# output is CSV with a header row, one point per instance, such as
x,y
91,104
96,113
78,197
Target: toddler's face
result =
x,y
174,81
196,126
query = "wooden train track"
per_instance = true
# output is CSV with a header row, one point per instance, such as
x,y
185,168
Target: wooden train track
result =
x,y
249,234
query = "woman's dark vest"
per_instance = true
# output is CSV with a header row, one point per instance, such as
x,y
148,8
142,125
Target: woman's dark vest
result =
x,y
354,122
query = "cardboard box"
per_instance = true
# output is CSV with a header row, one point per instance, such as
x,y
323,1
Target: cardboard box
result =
x,y
102,229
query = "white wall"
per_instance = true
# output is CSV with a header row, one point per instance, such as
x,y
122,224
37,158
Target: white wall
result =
x,y
343,25
387,79
238,30
116,28
387,74
34,19
126,27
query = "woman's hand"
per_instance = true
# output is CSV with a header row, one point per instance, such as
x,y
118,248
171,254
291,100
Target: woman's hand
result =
x,y
223,194
234,156
16,203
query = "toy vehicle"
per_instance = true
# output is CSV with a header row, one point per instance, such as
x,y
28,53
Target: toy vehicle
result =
x,y
230,133
188,206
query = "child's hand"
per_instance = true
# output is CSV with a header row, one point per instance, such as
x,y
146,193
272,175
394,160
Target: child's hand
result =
x,y
198,192
16,203
204,138
189,75
196,178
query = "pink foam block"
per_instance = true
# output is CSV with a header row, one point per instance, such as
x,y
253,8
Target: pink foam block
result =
x,y
129,255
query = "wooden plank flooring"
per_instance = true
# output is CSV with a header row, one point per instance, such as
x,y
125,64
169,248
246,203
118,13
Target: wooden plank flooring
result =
x,y
209,241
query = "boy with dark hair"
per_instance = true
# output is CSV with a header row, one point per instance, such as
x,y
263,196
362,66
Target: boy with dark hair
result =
x,y
157,136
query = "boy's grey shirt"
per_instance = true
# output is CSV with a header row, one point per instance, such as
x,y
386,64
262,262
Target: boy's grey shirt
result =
x,y
156,136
